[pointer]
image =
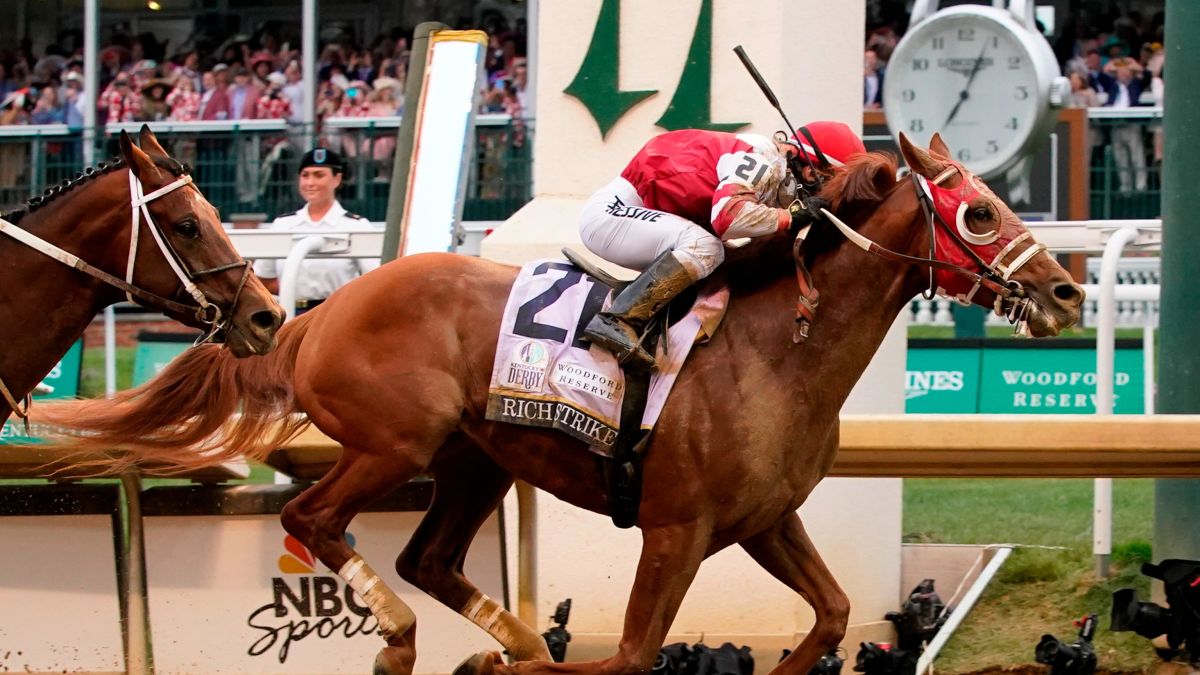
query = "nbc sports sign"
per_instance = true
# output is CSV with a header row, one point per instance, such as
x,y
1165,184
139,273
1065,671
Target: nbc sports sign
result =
x,y
234,593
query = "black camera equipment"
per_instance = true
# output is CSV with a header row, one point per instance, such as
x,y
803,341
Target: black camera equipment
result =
x,y
830,664
885,659
557,637
1077,658
919,618
672,659
700,659
1180,621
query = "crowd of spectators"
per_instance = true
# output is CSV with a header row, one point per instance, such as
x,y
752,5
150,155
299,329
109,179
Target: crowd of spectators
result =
x,y
256,77
246,77
1118,68
1112,59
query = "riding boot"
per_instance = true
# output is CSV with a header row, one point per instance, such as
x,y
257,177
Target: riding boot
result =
x,y
618,329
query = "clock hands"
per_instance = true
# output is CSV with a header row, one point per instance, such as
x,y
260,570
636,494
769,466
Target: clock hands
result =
x,y
963,95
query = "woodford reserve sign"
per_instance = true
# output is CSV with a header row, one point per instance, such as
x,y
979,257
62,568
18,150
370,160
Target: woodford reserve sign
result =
x,y
1011,376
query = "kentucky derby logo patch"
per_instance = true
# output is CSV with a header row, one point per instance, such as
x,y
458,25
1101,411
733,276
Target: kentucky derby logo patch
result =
x,y
527,366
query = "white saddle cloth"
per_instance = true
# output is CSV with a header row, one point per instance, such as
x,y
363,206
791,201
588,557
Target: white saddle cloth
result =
x,y
545,376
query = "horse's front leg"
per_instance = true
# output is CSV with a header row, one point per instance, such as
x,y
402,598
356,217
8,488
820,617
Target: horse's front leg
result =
x,y
788,554
671,555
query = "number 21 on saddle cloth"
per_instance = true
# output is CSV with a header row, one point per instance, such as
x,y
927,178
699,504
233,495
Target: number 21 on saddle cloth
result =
x,y
546,375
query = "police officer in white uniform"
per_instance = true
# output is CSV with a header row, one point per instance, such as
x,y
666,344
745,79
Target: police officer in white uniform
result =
x,y
320,176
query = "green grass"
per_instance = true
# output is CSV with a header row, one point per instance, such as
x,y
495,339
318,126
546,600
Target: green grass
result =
x,y
91,377
1037,591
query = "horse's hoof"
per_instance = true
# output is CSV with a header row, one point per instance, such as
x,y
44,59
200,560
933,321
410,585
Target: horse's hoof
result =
x,y
479,664
394,661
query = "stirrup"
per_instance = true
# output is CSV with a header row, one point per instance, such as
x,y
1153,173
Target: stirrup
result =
x,y
632,354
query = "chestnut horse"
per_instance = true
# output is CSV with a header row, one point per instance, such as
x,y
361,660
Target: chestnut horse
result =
x,y
67,255
395,367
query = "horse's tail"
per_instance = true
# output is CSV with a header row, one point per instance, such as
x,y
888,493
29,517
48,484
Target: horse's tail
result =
x,y
206,407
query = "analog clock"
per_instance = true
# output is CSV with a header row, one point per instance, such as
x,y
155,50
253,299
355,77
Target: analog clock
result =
x,y
980,76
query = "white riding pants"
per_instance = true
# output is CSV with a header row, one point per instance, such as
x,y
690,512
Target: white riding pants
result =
x,y
616,226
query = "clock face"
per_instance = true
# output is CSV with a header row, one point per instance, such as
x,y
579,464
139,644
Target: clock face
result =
x,y
972,79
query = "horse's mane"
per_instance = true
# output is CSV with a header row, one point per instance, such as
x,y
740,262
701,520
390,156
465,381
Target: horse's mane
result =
x,y
859,185
863,181
54,191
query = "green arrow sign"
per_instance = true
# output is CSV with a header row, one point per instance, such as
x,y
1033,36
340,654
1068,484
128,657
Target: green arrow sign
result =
x,y
596,85
691,106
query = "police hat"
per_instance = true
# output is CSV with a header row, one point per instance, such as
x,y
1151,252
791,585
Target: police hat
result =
x,y
322,157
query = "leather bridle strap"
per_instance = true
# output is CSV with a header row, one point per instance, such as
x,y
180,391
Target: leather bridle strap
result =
x,y
809,298
987,281
933,216
206,312
140,206
18,410
71,260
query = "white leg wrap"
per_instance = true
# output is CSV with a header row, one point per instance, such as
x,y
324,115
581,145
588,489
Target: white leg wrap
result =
x,y
393,615
519,640
483,611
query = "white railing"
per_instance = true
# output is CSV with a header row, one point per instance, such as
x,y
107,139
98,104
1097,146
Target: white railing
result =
x,y
393,121
1138,281
1139,112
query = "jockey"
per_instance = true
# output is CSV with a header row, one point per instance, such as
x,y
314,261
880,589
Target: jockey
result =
x,y
686,193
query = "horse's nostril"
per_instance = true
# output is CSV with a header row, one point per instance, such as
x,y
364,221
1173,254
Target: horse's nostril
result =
x,y
265,319
1069,293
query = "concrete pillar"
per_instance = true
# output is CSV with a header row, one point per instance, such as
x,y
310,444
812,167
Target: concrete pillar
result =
x,y
1177,501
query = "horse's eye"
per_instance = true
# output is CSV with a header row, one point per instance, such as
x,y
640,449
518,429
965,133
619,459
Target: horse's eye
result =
x,y
187,229
981,214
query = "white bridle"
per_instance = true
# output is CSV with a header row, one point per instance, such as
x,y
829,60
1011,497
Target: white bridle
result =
x,y
139,202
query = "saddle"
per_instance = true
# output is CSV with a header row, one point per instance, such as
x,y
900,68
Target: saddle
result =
x,y
667,317
624,470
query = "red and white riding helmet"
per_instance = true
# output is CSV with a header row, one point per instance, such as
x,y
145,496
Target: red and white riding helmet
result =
x,y
836,141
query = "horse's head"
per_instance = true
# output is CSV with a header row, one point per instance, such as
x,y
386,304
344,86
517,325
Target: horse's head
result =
x,y
184,251
979,232
975,248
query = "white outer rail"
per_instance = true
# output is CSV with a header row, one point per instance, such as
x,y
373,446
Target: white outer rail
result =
x,y
1106,312
925,663
1091,236
305,246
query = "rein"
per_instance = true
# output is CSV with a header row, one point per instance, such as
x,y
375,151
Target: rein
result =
x,y
205,311
1011,300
